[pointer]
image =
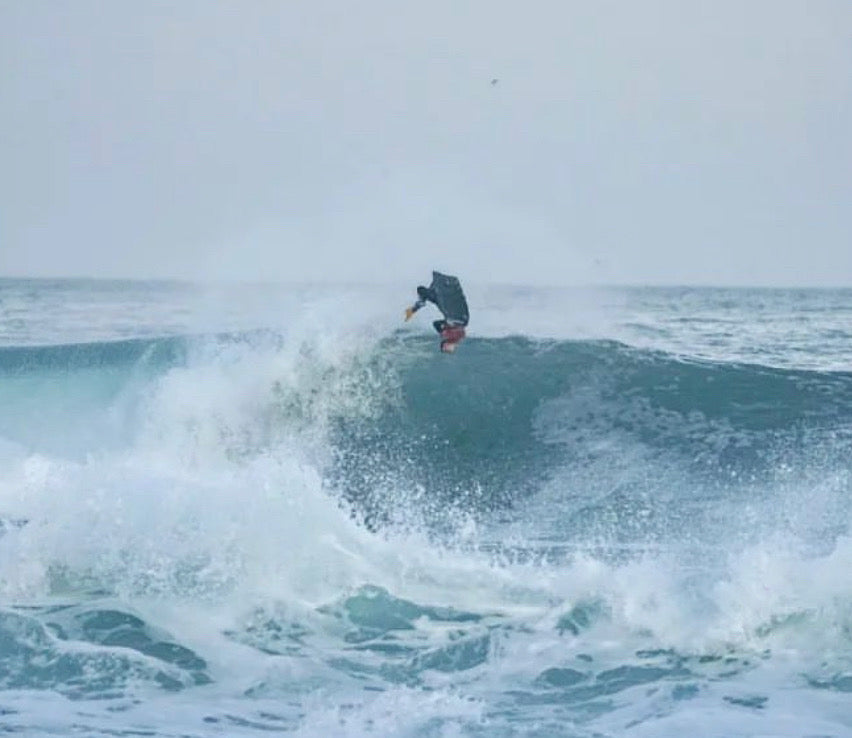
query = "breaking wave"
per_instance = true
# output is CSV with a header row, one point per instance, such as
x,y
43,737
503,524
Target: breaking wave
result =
x,y
530,527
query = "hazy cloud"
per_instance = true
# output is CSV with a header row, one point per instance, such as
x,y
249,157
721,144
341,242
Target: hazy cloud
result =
x,y
625,141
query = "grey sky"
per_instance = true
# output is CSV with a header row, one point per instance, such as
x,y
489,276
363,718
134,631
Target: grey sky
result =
x,y
664,142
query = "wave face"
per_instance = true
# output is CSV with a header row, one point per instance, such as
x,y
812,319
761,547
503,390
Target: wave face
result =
x,y
600,419
322,531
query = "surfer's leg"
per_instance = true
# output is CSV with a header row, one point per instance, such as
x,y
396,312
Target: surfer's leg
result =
x,y
439,325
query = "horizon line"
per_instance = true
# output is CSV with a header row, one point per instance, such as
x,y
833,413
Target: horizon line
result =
x,y
223,282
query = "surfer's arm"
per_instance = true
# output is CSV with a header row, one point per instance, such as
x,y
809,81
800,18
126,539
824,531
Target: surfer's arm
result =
x,y
414,308
424,295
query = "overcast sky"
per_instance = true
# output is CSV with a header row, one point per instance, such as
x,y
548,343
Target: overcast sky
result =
x,y
642,141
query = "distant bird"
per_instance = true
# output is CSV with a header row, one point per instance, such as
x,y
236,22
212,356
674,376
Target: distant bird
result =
x,y
494,81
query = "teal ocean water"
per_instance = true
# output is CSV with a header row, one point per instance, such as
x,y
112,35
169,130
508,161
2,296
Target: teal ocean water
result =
x,y
244,511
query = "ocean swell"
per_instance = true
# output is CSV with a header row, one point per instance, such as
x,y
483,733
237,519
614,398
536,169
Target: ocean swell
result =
x,y
533,531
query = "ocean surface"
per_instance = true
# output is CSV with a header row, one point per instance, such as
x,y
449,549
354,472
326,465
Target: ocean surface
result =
x,y
278,510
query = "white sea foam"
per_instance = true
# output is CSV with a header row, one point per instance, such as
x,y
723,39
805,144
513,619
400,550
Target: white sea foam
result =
x,y
209,518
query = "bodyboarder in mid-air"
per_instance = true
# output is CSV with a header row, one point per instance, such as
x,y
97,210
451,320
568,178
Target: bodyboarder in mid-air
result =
x,y
446,293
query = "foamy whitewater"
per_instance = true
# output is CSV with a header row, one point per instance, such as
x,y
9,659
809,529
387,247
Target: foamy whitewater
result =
x,y
244,511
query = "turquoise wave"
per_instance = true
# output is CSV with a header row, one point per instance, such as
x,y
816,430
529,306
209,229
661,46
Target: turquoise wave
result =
x,y
487,427
507,416
579,439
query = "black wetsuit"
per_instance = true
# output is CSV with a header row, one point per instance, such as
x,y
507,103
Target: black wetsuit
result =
x,y
446,294
427,294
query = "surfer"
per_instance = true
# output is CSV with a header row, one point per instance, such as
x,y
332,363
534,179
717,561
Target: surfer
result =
x,y
446,294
